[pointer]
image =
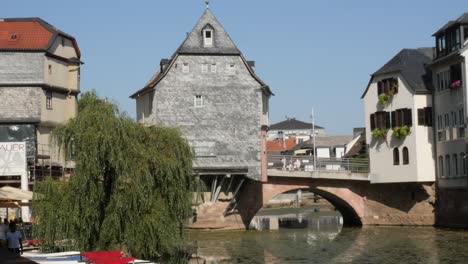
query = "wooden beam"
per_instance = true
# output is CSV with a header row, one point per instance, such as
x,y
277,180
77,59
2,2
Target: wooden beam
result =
x,y
213,187
218,190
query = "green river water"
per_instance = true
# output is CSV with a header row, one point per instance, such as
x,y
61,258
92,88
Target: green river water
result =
x,y
320,238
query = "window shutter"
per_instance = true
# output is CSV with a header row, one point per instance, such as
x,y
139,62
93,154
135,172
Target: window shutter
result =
x,y
421,116
372,122
379,89
428,112
397,118
387,119
393,113
408,117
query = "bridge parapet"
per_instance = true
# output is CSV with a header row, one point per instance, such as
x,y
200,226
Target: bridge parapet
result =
x,y
306,163
331,175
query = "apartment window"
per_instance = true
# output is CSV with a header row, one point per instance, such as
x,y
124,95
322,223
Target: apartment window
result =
x,y
454,118
447,165
441,166
386,85
198,101
396,156
380,119
405,156
49,100
50,69
185,68
443,80
213,68
455,76
204,68
402,117
455,164
461,123
463,164
425,116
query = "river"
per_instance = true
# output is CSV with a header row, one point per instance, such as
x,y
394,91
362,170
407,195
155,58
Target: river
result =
x,y
318,237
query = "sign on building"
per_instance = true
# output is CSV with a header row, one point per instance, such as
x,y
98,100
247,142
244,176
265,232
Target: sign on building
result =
x,y
12,158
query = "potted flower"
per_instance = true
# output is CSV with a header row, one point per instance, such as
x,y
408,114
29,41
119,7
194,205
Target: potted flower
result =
x,y
380,133
401,132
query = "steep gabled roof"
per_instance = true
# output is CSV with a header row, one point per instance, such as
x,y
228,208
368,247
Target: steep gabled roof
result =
x,y
222,44
193,44
463,20
292,124
30,34
411,64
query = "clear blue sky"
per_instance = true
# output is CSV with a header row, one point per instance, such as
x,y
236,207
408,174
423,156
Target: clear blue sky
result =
x,y
316,53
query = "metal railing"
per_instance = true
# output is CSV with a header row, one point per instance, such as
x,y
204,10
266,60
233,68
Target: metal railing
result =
x,y
306,163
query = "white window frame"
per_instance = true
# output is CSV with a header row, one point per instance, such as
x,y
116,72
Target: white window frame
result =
x,y
208,41
198,100
213,68
231,68
185,68
204,68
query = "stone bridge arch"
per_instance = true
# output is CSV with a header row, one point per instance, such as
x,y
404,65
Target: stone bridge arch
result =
x,y
345,198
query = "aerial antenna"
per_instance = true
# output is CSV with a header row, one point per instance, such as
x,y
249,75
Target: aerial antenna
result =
x,y
207,3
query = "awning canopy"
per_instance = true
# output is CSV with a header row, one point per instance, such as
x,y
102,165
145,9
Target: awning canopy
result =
x,y
14,194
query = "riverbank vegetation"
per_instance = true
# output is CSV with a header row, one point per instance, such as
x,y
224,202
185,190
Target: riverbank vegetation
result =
x,y
131,187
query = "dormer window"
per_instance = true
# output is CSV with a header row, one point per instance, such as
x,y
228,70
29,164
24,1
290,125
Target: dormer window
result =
x,y
208,35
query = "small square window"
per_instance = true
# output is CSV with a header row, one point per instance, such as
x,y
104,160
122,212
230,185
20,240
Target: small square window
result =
x,y
49,100
185,68
198,101
213,68
231,69
204,68
208,34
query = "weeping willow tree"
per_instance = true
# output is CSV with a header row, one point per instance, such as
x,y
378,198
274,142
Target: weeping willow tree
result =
x,y
131,187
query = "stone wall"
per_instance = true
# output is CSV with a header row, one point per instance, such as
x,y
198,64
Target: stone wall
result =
x,y
226,131
20,104
21,67
452,208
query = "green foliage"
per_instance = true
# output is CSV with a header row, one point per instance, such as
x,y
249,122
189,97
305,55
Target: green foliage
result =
x,y
131,188
380,133
401,132
383,99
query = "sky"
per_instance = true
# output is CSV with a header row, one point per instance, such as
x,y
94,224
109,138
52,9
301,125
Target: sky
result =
x,y
312,53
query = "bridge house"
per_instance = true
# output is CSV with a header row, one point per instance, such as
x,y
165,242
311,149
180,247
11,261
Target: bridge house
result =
x,y
39,85
398,110
212,93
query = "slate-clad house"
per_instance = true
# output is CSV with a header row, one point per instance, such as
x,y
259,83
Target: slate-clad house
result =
x,y
212,93
449,71
398,111
39,83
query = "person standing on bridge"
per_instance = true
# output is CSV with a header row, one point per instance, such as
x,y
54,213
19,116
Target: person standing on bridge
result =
x,y
283,160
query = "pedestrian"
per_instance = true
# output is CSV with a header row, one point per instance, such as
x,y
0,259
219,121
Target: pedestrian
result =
x,y
283,160
3,230
14,240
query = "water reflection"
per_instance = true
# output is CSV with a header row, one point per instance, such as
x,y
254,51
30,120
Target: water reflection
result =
x,y
325,241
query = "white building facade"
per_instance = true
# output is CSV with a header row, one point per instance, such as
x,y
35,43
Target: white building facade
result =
x,y
398,110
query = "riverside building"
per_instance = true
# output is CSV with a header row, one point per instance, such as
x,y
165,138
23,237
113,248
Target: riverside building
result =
x,y
398,110
39,84
212,93
449,72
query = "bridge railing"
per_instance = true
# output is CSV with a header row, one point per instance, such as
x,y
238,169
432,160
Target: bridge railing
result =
x,y
306,163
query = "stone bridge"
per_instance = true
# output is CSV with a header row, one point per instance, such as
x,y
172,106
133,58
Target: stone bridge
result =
x,y
359,201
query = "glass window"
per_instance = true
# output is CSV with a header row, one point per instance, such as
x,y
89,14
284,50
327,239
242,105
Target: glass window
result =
x,y
185,68
396,156
213,68
405,156
447,165
204,68
441,166
208,37
462,164
455,164
49,100
198,101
